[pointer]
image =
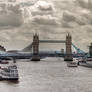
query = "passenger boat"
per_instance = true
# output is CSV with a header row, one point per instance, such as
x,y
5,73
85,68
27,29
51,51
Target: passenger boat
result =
x,y
10,73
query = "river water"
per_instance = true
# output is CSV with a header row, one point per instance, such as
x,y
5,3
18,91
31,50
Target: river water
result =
x,y
49,75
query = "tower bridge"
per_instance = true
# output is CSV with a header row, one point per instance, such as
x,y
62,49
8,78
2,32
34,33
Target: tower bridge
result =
x,y
35,47
68,56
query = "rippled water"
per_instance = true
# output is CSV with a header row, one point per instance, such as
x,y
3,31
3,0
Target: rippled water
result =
x,y
49,75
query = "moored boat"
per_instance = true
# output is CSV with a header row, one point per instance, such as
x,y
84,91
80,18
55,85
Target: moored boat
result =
x,y
72,64
86,64
3,62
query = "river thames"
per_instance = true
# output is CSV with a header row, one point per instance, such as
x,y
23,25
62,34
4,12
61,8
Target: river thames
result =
x,y
49,75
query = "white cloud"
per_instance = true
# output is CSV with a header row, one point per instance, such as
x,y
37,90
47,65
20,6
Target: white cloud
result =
x,y
42,8
45,20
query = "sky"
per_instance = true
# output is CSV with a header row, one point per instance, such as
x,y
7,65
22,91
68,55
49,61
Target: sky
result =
x,y
51,19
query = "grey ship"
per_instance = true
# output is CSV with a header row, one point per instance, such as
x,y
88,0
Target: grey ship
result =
x,y
10,73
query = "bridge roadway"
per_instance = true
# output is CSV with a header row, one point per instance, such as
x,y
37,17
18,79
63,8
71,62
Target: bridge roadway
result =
x,y
41,54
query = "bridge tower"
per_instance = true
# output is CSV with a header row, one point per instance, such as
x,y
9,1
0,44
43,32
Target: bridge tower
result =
x,y
35,46
68,55
90,50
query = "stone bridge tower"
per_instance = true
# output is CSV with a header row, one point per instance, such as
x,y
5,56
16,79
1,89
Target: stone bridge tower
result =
x,y
35,47
68,55
90,50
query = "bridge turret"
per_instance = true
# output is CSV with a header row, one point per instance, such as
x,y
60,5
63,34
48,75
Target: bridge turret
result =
x,y
68,56
35,47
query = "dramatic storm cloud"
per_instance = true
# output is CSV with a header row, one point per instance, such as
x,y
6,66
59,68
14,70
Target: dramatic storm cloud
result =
x,y
51,19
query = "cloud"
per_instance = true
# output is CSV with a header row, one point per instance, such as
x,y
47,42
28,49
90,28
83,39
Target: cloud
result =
x,y
45,20
82,3
42,8
85,4
74,19
11,15
68,16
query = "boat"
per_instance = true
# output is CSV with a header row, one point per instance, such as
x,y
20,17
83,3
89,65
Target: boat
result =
x,y
86,64
10,73
72,64
87,59
3,62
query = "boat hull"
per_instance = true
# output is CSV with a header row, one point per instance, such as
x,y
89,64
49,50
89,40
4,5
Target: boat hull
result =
x,y
85,65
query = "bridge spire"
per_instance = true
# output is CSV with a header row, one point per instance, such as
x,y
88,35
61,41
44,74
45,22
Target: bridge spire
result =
x,y
35,47
68,56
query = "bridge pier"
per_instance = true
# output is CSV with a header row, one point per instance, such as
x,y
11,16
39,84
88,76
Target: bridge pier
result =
x,y
68,55
35,56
